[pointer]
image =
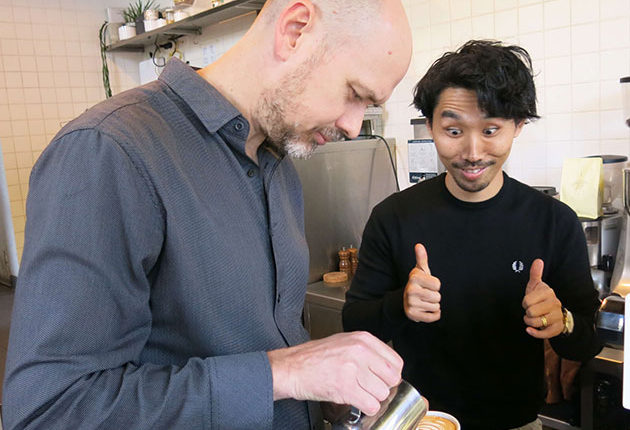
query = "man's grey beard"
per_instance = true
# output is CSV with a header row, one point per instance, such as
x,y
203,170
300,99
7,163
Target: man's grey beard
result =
x,y
282,136
271,111
297,147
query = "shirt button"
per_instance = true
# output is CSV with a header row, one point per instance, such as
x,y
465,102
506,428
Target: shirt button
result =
x,y
251,173
238,126
278,298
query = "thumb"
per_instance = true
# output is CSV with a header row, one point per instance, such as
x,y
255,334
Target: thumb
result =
x,y
535,275
422,259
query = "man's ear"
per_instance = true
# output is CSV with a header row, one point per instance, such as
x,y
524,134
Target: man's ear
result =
x,y
295,20
519,128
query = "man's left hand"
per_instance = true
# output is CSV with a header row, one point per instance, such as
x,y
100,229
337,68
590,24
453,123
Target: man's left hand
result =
x,y
543,310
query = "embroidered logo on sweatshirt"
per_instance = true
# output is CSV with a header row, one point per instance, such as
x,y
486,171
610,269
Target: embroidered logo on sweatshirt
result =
x,y
518,266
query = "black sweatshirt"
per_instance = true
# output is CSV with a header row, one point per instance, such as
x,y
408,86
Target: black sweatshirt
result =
x,y
477,362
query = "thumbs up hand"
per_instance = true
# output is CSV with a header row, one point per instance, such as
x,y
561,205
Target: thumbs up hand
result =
x,y
421,299
543,310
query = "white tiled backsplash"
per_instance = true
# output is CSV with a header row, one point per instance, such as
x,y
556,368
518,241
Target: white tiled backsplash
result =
x,y
580,49
50,71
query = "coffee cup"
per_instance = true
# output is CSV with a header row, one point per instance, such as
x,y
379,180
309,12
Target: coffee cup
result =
x,y
436,420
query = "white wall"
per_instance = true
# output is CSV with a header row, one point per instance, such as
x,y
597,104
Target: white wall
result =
x,y
50,71
580,49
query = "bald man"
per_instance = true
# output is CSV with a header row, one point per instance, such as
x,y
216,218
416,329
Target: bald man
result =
x,y
165,264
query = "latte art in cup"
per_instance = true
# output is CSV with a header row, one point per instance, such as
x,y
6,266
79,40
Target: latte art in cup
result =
x,y
435,420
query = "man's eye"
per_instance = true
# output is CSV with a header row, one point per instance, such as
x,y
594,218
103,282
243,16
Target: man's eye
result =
x,y
490,131
453,131
354,94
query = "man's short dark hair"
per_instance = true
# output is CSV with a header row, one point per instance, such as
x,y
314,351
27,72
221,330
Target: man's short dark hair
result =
x,y
500,75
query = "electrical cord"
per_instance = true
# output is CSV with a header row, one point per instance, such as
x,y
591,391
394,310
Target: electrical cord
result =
x,y
172,43
105,70
158,47
391,159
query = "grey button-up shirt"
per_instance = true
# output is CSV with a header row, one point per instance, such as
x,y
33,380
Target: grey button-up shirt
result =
x,y
160,263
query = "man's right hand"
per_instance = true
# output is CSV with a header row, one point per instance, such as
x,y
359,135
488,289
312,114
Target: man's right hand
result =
x,y
421,298
347,369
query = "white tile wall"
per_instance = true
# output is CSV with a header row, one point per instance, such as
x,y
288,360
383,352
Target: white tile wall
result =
x,y
50,71
580,50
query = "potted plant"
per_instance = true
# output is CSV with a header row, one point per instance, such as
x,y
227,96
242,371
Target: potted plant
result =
x,y
135,13
127,30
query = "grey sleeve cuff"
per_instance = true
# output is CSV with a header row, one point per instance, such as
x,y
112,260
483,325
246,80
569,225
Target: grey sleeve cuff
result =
x,y
241,388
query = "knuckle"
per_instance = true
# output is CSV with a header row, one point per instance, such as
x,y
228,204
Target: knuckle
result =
x,y
362,336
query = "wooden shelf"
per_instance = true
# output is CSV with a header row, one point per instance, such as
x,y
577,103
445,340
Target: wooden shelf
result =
x,y
191,25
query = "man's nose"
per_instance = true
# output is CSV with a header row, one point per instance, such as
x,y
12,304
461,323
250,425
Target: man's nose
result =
x,y
473,147
351,120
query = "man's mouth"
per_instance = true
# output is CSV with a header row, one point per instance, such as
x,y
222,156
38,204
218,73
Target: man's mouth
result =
x,y
474,172
325,135
320,138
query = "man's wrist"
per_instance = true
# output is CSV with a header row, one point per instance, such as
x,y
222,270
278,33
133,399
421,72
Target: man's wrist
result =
x,y
279,373
567,321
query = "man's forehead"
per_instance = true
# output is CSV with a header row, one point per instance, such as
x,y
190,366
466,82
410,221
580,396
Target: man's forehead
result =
x,y
455,102
448,113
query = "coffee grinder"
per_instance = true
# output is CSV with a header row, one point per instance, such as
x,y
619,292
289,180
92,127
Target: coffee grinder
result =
x,y
602,233
620,282
610,319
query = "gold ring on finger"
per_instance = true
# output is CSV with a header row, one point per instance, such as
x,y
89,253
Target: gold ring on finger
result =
x,y
543,320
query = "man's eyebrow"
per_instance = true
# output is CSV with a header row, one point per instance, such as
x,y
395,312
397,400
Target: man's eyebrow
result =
x,y
454,115
368,94
449,114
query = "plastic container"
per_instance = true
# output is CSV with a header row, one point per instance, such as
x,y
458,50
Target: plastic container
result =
x,y
127,31
180,14
613,166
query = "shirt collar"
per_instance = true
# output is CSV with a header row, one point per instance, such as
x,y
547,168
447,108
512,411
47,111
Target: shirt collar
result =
x,y
212,109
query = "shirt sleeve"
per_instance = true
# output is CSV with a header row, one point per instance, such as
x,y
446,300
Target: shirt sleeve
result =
x,y
374,301
571,280
82,309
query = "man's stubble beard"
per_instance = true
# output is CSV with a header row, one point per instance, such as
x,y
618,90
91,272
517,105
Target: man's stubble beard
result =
x,y
272,111
468,186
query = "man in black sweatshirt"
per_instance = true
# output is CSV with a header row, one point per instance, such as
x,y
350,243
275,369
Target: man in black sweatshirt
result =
x,y
468,272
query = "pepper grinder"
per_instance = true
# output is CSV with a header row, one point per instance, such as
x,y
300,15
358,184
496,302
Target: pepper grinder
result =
x,y
354,259
344,262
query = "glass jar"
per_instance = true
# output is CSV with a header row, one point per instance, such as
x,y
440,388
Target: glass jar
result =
x,y
151,15
169,15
